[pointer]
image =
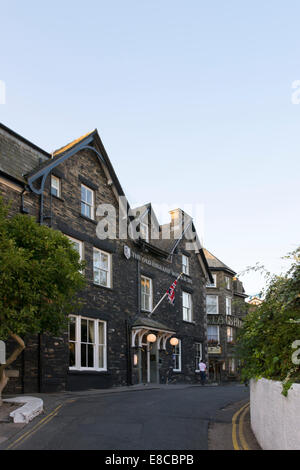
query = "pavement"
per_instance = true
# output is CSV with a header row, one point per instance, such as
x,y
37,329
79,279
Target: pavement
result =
x,y
228,426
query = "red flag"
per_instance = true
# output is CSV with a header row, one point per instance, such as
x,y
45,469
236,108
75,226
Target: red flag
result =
x,y
171,293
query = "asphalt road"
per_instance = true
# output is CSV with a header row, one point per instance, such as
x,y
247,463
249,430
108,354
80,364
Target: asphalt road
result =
x,y
161,419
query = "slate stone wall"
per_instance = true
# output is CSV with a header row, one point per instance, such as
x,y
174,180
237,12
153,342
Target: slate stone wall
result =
x,y
44,364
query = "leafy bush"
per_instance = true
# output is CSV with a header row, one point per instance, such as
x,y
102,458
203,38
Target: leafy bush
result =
x,y
265,342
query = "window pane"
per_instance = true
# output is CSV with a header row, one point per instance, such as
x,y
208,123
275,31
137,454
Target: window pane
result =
x,y
91,338
89,198
72,354
96,259
54,191
101,333
146,285
88,211
83,331
101,357
185,264
96,276
104,261
83,355
146,302
103,278
90,355
185,313
212,333
186,299
72,328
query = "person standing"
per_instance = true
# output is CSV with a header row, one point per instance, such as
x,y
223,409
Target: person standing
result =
x,y
202,368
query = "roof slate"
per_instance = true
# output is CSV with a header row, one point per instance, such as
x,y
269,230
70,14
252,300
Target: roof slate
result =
x,y
150,323
214,262
18,156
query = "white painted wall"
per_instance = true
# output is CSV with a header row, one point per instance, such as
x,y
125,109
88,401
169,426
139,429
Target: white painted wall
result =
x,y
275,419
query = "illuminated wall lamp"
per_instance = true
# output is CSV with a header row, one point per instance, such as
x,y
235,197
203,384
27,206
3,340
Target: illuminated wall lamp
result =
x,y
174,341
151,338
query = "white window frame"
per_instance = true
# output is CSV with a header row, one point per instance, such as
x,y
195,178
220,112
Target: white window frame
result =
x,y
150,294
77,242
96,344
185,265
228,305
55,180
92,205
214,285
228,282
108,270
187,311
198,355
176,351
217,305
218,332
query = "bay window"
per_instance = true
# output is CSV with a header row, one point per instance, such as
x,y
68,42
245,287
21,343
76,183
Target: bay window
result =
x,y
87,343
212,304
213,334
228,305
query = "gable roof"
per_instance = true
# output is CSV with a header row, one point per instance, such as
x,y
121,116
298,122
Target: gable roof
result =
x,y
166,246
90,141
72,144
215,264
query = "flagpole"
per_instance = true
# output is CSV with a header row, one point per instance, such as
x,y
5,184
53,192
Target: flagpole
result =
x,y
162,298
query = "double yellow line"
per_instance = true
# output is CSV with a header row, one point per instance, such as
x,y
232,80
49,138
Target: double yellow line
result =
x,y
33,430
238,437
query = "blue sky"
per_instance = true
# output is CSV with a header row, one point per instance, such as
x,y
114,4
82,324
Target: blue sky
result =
x,y
191,99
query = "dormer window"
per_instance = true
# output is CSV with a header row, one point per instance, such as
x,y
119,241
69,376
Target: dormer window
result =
x,y
87,202
55,186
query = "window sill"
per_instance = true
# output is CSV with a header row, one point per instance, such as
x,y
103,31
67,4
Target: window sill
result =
x,y
177,371
145,311
57,197
87,218
100,286
187,275
85,371
189,322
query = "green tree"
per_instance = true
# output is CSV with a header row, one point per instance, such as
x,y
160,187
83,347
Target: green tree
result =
x,y
270,333
40,276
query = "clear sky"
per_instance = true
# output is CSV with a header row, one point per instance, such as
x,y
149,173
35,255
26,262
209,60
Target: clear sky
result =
x,y
193,102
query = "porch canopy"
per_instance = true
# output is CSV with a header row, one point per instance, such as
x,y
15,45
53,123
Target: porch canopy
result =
x,y
144,325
